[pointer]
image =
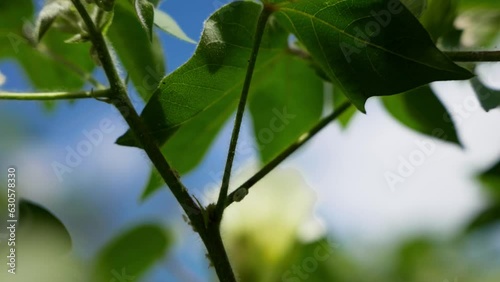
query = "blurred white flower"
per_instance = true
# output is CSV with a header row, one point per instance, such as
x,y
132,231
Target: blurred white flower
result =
x,y
272,216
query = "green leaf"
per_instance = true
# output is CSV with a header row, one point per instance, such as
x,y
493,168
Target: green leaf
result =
x,y
486,218
420,110
166,23
36,221
339,98
13,15
489,98
214,73
146,14
195,137
368,47
491,180
132,254
287,101
197,134
68,70
155,182
142,59
47,16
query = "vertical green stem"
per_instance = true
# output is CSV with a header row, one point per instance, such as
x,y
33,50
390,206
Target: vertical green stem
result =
x,y
261,25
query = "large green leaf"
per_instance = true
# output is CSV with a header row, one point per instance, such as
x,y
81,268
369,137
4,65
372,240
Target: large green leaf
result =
x,y
214,74
368,47
420,110
489,98
131,254
142,59
287,101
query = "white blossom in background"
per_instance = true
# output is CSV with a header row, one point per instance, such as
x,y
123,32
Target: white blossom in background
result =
x,y
272,217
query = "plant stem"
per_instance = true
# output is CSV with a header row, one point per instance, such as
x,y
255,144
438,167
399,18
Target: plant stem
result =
x,y
219,259
55,95
474,56
288,151
120,100
261,25
210,234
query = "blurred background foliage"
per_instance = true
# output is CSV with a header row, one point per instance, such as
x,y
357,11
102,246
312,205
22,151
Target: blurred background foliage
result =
x,y
270,237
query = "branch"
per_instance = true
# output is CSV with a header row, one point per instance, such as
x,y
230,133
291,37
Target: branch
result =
x,y
261,25
241,191
120,100
44,96
474,56
209,234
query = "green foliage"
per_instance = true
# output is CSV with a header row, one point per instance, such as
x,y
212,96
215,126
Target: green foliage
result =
x,y
489,98
420,110
166,23
64,65
338,99
193,110
142,58
378,42
491,214
155,182
132,253
36,224
145,12
283,109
